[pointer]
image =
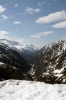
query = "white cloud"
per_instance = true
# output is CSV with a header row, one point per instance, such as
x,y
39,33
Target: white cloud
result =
x,y
3,32
35,36
30,10
20,40
57,16
2,9
4,17
60,25
16,5
3,35
38,35
40,3
37,10
46,33
17,22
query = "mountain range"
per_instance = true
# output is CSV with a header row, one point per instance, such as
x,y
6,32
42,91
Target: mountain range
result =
x,y
27,51
12,64
47,64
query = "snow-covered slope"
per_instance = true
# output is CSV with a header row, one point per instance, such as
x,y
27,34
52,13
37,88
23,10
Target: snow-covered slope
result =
x,y
18,45
49,63
25,50
25,90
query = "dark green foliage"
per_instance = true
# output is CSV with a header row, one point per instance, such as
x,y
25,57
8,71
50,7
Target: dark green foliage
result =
x,y
9,72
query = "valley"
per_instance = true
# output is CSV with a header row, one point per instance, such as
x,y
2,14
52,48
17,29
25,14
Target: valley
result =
x,y
46,65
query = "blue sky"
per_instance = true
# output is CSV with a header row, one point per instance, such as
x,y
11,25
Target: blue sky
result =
x,y
36,22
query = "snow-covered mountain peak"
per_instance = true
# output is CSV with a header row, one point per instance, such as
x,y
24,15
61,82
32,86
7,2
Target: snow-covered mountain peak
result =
x,y
32,46
25,50
18,45
9,42
60,43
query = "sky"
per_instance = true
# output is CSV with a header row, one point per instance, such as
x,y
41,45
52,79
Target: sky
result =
x,y
37,22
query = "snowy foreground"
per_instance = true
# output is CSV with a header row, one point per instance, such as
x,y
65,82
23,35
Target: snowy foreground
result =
x,y
25,90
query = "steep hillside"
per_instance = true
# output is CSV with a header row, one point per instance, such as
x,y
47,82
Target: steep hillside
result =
x,y
49,63
12,65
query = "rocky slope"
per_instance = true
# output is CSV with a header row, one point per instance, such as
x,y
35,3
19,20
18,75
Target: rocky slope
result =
x,y
12,64
49,63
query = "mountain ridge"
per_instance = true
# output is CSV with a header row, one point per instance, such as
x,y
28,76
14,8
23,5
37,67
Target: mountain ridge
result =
x,y
12,64
25,50
49,63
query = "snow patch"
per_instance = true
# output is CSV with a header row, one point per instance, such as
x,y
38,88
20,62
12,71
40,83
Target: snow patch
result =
x,y
1,63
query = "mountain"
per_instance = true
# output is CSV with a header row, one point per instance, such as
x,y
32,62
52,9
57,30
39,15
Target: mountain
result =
x,y
12,64
26,51
49,63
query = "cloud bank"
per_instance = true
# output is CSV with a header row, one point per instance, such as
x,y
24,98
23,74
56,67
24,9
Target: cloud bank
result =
x,y
29,10
16,5
3,35
4,17
60,25
38,35
2,9
53,17
17,22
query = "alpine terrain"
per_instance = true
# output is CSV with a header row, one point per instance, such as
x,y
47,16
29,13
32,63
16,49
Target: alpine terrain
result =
x,y
49,63
12,64
27,51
